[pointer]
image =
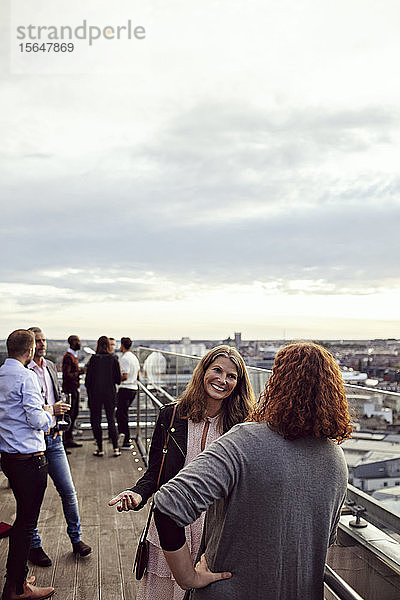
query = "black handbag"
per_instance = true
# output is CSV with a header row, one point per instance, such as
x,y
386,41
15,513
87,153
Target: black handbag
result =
x,y
142,552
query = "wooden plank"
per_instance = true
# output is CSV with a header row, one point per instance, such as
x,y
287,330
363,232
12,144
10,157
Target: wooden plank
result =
x,y
106,574
112,591
66,564
110,569
88,573
130,589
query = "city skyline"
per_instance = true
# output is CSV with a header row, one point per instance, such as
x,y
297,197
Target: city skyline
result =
x,y
236,170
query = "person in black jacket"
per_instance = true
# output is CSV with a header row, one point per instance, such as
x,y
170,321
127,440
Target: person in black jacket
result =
x,y
218,396
102,375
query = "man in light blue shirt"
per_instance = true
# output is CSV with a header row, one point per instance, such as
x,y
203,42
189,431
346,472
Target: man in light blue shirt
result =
x,y
23,421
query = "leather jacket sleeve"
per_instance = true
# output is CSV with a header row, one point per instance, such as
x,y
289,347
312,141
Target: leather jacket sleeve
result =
x,y
147,485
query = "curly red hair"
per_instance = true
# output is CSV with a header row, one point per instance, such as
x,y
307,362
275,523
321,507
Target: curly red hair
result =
x,y
305,395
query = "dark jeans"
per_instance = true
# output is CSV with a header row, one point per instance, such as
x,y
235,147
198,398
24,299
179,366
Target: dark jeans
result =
x,y
95,407
125,398
28,480
73,413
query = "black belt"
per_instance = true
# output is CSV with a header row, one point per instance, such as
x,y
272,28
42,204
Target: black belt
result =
x,y
20,456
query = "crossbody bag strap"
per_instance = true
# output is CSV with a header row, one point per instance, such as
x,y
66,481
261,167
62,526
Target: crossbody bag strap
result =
x,y
164,454
165,448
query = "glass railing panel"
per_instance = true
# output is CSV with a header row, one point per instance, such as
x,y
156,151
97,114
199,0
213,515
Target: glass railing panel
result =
x,y
147,409
185,366
258,379
383,406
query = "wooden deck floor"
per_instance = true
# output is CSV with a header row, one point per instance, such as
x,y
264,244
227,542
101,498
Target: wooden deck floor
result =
x,y
106,574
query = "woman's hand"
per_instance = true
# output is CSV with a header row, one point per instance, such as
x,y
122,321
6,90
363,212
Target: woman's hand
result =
x,y
204,576
126,500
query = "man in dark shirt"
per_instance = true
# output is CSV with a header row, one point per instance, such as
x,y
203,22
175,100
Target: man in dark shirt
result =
x,y
70,385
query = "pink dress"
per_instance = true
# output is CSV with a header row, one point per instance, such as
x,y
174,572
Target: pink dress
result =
x,y
158,583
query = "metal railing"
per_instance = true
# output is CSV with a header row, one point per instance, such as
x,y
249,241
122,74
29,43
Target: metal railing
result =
x,y
172,371
168,373
376,512
338,587
147,408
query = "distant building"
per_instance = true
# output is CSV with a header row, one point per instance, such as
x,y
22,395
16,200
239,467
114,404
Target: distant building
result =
x,y
185,346
390,497
238,339
372,476
372,410
373,460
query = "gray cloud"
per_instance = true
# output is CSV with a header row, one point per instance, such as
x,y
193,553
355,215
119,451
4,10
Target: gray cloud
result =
x,y
221,196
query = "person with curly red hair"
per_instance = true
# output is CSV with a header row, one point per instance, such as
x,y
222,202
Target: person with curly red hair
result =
x,y
273,489
305,395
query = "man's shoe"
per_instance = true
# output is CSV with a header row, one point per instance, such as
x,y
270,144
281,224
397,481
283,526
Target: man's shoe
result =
x,y
31,592
129,447
37,556
72,444
81,548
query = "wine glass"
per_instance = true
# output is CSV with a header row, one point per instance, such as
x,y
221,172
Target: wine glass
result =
x,y
62,423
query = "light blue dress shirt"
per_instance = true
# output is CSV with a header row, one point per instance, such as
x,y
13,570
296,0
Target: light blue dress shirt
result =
x,y
22,418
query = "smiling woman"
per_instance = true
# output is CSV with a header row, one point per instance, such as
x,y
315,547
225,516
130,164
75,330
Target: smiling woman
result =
x,y
220,380
218,396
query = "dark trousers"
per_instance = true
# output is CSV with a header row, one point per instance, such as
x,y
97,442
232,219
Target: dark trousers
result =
x,y
95,407
73,413
125,398
28,480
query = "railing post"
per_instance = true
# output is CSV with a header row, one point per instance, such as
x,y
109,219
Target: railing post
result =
x,y
137,413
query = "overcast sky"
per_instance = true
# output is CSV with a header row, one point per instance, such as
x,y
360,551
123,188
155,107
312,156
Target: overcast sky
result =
x,y
237,170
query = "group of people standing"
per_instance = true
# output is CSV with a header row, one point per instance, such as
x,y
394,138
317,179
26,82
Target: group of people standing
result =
x,y
246,495
105,371
36,432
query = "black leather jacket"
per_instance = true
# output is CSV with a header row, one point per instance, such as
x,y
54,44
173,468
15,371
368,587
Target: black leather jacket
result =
x,y
176,453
